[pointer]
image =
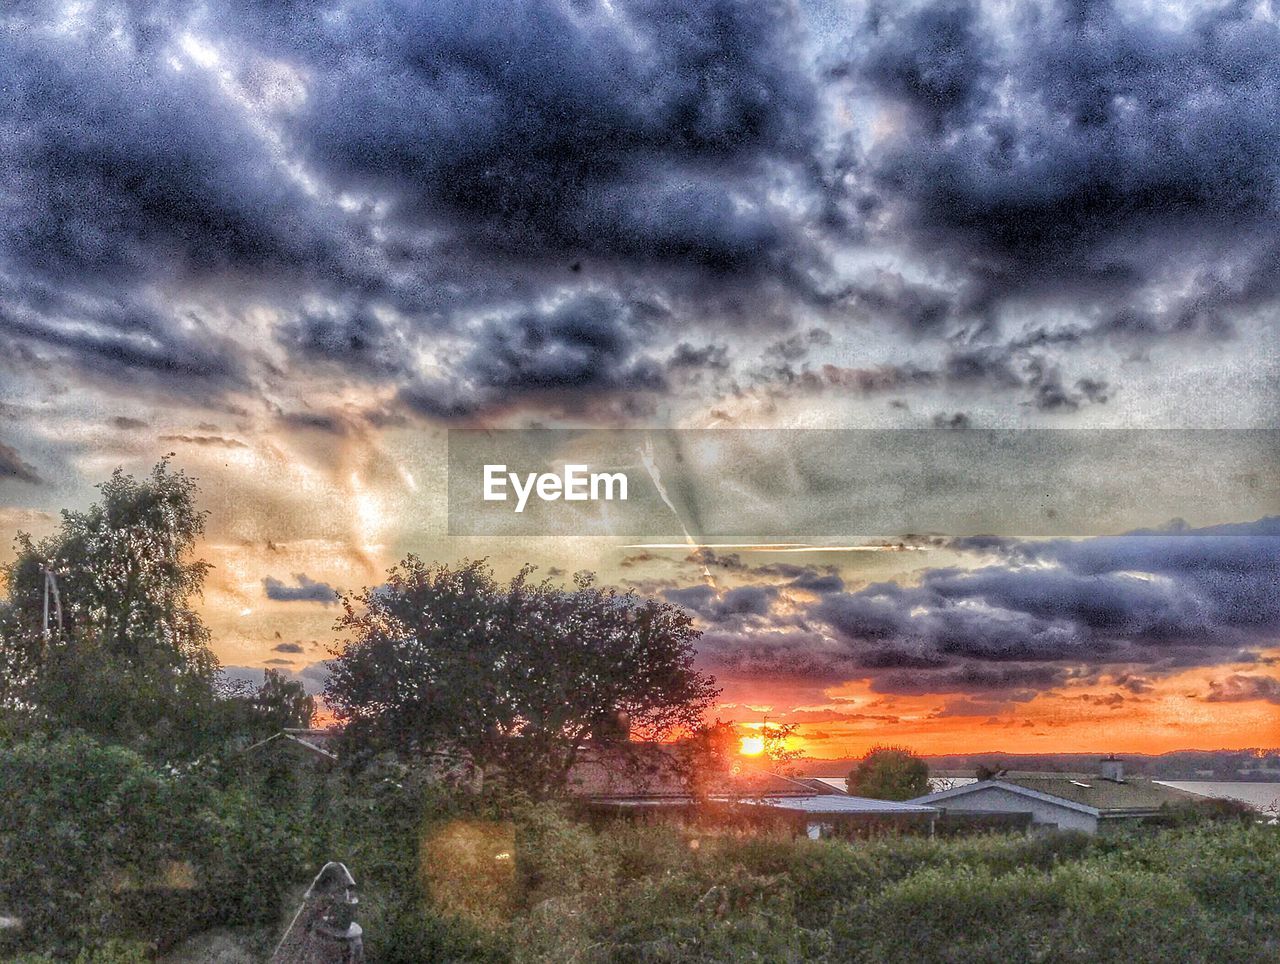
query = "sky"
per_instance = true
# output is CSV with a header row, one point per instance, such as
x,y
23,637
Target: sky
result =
x,y
295,244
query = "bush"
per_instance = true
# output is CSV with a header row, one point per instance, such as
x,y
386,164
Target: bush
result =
x,y
97,843
448,876
83,822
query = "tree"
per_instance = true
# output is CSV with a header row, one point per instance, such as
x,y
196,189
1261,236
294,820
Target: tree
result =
x,y
281,703
261,711
519,677
128,658
889,773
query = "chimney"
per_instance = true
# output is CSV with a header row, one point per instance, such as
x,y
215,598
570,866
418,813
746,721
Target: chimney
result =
x,y
1111,769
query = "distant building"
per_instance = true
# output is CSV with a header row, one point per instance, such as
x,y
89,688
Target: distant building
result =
x,y
1068,801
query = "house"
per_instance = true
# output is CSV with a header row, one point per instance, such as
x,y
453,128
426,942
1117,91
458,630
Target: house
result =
x,y
1067,801
840,815
660,780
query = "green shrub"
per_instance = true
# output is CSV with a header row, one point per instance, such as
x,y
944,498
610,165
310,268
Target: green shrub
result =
x,y
97,843
556,856
82,823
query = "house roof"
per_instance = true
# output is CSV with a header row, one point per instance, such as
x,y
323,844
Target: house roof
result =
x,y
843,803
1077,791
314,741
653,772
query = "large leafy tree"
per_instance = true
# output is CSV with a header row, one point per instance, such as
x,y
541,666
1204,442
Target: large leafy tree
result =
x,y
889,773
129,659
519,676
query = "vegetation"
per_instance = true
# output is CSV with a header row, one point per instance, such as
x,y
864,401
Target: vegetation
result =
x,y
517,677
122,654
889,773
97,843
636,892
449,876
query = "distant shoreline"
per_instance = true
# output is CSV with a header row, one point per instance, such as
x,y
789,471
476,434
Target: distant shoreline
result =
x,y
1250,765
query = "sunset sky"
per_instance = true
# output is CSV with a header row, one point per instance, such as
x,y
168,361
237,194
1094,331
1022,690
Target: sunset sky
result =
x,y
296,244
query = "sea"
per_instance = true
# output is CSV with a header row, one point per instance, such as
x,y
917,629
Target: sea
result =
x,y
1261,796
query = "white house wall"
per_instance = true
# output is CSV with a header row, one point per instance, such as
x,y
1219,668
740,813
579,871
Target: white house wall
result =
x,y
999,800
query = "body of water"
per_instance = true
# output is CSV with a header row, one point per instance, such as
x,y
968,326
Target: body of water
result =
x,y
1263,796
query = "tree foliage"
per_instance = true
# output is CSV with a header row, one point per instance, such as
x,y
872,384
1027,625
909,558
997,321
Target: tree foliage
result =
x,y
889,773
94,837
258,712
517,676
130,661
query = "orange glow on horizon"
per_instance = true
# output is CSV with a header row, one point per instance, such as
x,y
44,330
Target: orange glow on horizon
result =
x,y
1166,714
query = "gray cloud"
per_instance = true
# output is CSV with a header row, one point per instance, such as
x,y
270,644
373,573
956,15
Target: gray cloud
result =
x,y
542,204
718,606
1240,688
12,466
1059,148
1041,614
587,345
305,590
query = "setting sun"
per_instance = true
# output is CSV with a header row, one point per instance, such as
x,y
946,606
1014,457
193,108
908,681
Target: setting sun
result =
x,y
752,745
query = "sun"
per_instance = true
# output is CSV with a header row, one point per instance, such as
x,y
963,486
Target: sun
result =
x,y
752,746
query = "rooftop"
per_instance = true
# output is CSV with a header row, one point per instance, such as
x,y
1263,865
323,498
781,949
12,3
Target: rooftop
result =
x,y
1133,793
839,803
1105,797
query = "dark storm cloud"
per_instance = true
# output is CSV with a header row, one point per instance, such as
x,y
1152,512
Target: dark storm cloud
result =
x,y
718,606
807,578
957,420
1058,148
1018,682
306,590
711,559
966,707
991,368
1041,614
357,340
708,357
121,338
778,575
586,345
496,158
566,130
124,178
216,441
774,654
497,191
1144,598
